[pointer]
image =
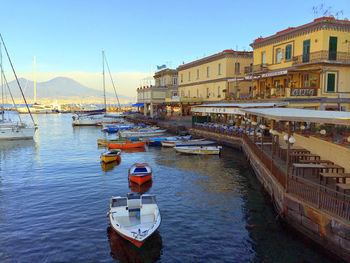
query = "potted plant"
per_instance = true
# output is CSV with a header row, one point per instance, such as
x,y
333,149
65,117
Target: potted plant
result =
x,y
274,95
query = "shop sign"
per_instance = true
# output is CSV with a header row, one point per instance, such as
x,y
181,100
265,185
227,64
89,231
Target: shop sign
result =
x,y
303,92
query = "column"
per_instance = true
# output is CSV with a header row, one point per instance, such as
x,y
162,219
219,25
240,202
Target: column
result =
x,y
145,109
151,110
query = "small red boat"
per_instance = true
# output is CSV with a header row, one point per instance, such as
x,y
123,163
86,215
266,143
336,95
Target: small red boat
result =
x,y
140,173
126,145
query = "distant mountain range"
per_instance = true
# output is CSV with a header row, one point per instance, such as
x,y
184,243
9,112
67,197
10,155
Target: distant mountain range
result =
x,y
61,88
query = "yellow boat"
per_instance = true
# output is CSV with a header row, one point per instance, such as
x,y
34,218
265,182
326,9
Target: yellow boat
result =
x,y
111,156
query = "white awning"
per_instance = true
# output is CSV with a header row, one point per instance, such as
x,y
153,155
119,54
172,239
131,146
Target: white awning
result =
x,y
302,115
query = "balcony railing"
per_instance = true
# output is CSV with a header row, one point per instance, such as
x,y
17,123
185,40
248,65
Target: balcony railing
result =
x,y
255,68
322,56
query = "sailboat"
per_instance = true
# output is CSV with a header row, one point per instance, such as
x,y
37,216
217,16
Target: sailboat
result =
x,y
98,117
39,108
10,130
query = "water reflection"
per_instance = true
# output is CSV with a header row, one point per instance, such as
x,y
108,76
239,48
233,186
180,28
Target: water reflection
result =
x,y
6,147
140,189
109,166
135,150
124,251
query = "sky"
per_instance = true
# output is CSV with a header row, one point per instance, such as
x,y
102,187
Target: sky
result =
x,y
68,36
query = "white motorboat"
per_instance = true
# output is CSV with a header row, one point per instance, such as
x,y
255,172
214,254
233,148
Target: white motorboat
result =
x,y
39,109
90,120
146,132
197,142
203,150
135,218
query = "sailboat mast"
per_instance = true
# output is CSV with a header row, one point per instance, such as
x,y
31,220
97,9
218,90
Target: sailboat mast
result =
x,y
103,75
34,82
2,88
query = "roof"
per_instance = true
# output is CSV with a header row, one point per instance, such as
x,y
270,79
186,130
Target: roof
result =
x,y
215,56
245,105
302,115
293,29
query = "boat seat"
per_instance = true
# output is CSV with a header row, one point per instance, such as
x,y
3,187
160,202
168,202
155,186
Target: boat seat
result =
x,y
134,209
124,221
147,219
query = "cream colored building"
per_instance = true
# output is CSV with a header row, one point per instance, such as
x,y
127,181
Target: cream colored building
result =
x,y
214,78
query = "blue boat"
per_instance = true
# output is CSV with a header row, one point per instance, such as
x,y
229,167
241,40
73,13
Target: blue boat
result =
x,y
158,141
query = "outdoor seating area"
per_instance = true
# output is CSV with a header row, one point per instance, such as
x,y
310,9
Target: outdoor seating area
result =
x,y
301,171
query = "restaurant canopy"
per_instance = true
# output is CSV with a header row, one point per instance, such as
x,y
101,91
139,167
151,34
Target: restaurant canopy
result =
x,y
138,105
302,115
233,108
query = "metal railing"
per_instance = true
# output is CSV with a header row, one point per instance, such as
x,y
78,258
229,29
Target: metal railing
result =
x,y
324,56
322,197
255,68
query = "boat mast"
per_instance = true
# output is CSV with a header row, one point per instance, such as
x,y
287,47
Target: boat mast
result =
x,y
103,75
19,85
2,88
34,82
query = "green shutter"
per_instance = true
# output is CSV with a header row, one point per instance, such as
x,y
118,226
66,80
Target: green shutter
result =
x,y
331,82
288,55
306,50
333,48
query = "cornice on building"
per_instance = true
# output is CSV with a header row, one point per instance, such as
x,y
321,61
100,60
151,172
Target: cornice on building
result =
x,y
220,55
321,23
167,71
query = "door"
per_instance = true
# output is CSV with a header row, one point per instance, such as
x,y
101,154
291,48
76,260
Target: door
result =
x,y
306,50
332,48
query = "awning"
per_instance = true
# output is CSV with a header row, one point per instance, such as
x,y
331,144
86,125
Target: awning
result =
x,y
302,115
138,105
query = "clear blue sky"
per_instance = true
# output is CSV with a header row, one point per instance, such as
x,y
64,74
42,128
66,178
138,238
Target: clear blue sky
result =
x,y
68,35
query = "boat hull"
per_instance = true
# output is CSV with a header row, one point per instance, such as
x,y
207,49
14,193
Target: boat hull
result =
x,y
17,133
127,145
109,159
140,179
198,150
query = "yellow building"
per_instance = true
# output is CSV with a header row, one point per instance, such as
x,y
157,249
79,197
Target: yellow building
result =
x,y
214,78
307,66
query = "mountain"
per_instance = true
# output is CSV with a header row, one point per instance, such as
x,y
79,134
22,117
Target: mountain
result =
x,y
61,88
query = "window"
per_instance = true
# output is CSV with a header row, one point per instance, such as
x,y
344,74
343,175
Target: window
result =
x,y
306,50
237,68
279,55
288,54
330,82
189,76
219,92
219,69
208,71
333,48
208,93
306,81
197,73
263,58
182,93
182,77
174,80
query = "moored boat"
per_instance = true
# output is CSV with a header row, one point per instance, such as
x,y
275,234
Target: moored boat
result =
x,y
142,133
126,145
111,156
158,141
197,142
202,150
135,218
140,173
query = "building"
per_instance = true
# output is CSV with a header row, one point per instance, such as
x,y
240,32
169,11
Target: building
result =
x,y
307,66
214,78
161,99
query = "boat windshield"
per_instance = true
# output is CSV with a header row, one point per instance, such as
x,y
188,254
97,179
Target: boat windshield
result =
x,y
119,202
149,199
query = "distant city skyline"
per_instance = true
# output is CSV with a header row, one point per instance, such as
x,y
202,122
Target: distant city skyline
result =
x,y
67,37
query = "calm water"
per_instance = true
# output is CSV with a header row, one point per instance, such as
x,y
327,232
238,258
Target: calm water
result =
x,y
54,195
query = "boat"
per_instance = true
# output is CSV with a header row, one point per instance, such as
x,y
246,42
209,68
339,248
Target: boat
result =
x,y
135,218
111,156
105,142
142,133
10,130
113,128
126,145
140,173
203,150
158,141
197,142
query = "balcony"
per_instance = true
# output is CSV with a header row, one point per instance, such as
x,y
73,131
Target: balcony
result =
x,y
322,56
255,69
173,99
188,100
